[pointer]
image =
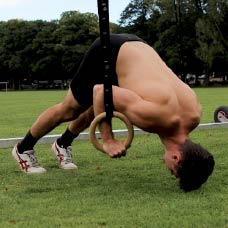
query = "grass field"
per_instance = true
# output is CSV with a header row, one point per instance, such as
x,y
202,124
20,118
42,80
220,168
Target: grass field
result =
x,y
135,191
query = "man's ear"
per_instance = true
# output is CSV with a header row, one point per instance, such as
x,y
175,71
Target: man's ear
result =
x,y
177,158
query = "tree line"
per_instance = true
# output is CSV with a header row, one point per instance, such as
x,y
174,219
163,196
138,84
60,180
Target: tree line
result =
x,y
190,35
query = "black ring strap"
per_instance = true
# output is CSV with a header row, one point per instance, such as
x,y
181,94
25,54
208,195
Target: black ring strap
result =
x,y
103,12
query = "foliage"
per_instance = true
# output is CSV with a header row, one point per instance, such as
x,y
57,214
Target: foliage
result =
x,y
212,37
190,35
75,33
45,50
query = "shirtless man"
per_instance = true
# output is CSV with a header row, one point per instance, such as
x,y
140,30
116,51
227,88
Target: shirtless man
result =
x,y
146,91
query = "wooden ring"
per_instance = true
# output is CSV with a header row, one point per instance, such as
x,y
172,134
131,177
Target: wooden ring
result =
x,y
101,116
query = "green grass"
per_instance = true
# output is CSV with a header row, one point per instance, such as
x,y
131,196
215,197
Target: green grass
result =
x,y
135,191
20,109
210,99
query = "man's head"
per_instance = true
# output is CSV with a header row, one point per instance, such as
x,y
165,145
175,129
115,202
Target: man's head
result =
x,y
195,166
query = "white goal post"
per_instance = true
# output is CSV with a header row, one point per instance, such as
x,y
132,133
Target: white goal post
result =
x,y
6,85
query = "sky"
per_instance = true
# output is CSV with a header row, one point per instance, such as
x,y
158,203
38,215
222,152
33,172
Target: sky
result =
x,y
52,9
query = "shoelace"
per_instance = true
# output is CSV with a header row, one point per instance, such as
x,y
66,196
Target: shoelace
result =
x,y
68,154
33,160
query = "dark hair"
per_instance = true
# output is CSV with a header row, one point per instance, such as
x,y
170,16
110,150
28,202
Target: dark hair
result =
x,y
195,166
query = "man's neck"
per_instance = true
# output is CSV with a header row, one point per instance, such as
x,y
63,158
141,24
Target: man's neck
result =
x,y
173,143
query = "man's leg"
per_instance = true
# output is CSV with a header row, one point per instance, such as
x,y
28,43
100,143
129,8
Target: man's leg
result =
x,y
67,110
62,146
76,127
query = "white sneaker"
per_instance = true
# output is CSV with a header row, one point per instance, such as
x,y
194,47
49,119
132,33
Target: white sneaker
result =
x,y
64,156
27,161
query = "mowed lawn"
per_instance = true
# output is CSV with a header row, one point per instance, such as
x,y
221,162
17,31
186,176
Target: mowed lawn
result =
x,y
134,191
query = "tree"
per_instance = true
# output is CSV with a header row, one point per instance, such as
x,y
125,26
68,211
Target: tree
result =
x,y
172,27
75,34
135,18
46,64
15,51
45,50
212,37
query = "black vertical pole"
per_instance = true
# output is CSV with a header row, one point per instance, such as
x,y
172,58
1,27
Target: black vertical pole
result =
x,y
103,12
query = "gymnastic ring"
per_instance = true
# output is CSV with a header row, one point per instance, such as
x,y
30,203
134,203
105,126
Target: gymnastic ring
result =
x,y
101,116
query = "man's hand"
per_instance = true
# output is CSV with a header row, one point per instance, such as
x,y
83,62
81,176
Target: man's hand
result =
x,y
114,148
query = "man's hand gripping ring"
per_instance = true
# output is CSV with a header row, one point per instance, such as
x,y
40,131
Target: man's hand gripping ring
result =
x,y
101,116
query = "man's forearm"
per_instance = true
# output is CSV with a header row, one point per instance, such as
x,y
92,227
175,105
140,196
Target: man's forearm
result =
x,y
105,126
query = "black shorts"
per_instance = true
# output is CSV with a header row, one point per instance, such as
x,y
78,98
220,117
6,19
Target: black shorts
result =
x,y
90,71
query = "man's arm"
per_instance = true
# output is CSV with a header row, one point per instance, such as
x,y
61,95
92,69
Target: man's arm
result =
x,y
111,146
98,106
140,112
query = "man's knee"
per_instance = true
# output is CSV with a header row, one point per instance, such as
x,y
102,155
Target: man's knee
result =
x,y
69,108
69,113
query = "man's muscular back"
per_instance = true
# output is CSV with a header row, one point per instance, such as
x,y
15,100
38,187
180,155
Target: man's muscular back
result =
x,y
161,99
